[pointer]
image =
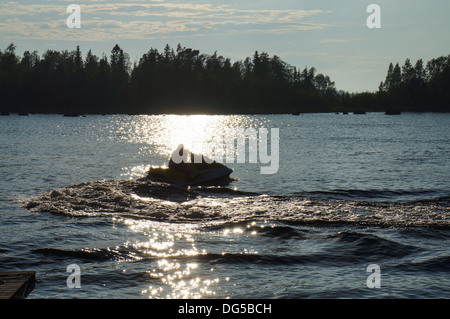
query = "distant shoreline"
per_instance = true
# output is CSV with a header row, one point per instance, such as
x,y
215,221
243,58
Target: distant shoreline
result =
x,y
222,114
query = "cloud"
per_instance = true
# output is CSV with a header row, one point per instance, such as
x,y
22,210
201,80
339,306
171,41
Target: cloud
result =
x,y
335,40
103,20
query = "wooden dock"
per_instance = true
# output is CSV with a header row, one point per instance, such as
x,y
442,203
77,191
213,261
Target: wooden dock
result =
x,y
16,284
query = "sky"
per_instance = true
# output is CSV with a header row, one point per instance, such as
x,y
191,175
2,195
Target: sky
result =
x,y
330,35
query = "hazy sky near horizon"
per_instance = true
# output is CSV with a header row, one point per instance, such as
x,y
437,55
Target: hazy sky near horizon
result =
x,y
330,35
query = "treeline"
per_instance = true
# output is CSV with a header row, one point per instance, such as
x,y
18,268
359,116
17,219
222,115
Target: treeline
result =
x,y
418,88
183,80
413,88
180,80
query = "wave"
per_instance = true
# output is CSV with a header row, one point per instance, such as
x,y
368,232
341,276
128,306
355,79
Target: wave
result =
x,y
370,246
344,248
210,206
87,254
378,195
433,265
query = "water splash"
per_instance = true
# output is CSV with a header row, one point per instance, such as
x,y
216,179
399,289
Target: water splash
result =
x,y
217,205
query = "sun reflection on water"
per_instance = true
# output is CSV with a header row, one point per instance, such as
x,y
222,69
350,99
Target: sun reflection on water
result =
x,y
161,134
172,246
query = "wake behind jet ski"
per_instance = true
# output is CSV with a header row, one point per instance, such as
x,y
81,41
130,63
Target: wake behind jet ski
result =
x,y
187,168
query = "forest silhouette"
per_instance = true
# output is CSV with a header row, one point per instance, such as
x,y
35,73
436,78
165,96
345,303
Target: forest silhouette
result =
x,y
184,81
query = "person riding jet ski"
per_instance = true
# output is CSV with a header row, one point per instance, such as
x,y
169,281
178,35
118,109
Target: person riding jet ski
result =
x,y
186,167
179,161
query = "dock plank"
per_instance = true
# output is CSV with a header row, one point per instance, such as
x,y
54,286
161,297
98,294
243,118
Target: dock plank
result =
x,y
16,284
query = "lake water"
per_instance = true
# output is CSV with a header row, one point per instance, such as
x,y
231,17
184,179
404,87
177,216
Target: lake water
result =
x,y
350,191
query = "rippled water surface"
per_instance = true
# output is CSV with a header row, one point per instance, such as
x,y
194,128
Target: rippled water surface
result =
x,y
350,191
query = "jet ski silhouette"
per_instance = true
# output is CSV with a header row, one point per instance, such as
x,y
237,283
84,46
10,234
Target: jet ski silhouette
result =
x,y
187,168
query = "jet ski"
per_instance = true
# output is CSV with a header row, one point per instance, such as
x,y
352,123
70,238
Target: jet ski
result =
x,y
193,172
